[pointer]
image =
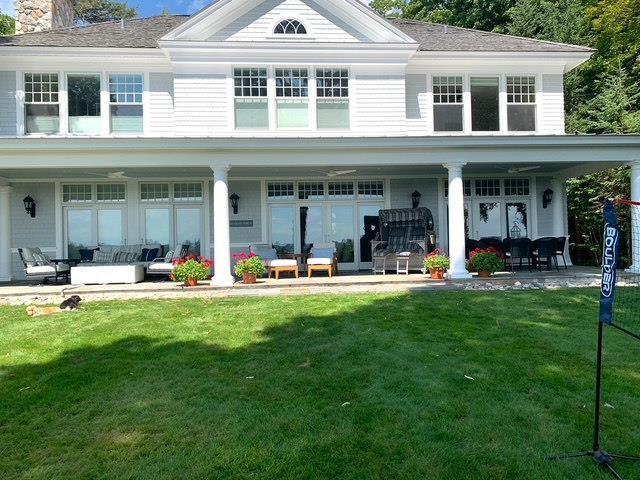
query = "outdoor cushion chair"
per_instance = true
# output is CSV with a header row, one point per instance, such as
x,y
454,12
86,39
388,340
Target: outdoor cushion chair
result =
x,y
165,266
518,249
560,246
323,258
38,265
275,265
544,251
492,242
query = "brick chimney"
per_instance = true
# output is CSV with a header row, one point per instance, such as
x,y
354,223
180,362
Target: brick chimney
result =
x,y
41,15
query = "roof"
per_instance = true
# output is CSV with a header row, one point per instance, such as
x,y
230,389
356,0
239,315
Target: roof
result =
x,y
145,33
439,37
136,33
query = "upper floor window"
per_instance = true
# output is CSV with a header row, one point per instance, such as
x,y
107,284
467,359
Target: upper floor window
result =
x,y
125,104
251,102
292,92
333,97
84,104
485,104
290,27
42,108
447,104
521,104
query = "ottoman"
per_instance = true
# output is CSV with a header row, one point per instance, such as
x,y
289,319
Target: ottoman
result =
x,y
107,274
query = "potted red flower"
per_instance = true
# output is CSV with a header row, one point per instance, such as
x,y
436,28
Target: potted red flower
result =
x,y
486,261
249,266
437,262
191,270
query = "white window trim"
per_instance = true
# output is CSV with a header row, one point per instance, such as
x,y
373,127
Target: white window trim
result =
x,y
63,101
537,104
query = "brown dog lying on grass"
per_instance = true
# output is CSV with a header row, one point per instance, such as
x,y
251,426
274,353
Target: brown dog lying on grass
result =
x,y
71,303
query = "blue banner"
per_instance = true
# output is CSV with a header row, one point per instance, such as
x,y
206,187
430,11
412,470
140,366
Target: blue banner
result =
x,y
610,254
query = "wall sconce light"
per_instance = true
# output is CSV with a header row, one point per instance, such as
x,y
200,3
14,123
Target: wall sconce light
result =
x,y
234,202
547,197
415,199
30,206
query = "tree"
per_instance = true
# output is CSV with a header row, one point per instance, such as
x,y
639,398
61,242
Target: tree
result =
x,y
557,21
389,7
7,24
94,11
486,15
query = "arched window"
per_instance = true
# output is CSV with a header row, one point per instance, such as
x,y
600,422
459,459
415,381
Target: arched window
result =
x,y
290,27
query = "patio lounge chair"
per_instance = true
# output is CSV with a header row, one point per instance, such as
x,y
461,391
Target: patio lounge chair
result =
x,y
275,265
38,265
518,249
403,232
544,251
165,266
323,258
560,245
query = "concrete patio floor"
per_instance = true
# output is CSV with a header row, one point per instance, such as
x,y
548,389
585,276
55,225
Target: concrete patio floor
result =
x,y
348,282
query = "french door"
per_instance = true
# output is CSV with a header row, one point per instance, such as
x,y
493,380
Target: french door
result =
x,y
500,218
88,227
173,225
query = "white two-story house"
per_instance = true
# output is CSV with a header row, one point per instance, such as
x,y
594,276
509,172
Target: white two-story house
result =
x,y
311,114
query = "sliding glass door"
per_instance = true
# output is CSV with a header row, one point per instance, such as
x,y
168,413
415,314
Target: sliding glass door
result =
x,y
92,227
173,226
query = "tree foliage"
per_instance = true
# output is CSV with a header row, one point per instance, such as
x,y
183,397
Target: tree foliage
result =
x,y
94,11
483,14
389,8
7,24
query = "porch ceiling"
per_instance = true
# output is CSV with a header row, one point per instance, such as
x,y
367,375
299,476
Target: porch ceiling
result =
x,y
563,169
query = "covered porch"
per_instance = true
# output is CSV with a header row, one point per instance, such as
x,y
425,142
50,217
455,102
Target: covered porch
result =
x,y
289,193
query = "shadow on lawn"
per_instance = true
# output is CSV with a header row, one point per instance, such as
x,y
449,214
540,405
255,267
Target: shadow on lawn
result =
x,y
378,391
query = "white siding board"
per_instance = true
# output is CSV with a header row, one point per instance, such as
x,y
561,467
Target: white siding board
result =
x,y
258,23
7,103
380,103
201,104
161,109
552,97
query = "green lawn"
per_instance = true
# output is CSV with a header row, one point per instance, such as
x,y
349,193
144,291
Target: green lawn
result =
x,y
326,387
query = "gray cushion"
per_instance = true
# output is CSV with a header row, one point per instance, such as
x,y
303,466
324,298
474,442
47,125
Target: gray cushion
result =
x,y
322,252
101,256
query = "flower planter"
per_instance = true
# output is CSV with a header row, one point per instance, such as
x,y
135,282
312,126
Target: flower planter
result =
x,y
191,282
437,273
484,273
248,278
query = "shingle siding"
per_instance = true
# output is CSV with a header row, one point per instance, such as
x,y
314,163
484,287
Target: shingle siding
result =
x,y
32,232
7,103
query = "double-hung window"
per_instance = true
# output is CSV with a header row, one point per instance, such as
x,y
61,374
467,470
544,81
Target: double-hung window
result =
x,y
41,105
485,104
251,102
292,97
332,85
125,104
447,104
84,104
521,104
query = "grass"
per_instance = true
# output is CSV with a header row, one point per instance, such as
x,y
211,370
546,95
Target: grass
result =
x,y
326,387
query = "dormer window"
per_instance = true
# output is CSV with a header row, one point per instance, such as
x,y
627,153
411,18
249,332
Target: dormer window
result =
x,y
290,27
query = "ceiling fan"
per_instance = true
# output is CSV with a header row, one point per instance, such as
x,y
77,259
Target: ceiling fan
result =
x,y
336,173
111,175
522,169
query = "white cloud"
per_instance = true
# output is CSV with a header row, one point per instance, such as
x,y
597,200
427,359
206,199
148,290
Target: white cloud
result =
x,y
7,6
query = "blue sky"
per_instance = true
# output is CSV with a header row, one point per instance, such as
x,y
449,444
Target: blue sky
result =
x,y
145,8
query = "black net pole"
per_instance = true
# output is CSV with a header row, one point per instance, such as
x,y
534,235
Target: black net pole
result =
x,y
596,433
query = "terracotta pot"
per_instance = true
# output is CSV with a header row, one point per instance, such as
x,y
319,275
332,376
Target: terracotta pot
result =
x,y
248,278
484,273
191,282
437,273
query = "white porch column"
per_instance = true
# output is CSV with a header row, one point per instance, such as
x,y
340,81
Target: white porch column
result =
x,y
635,218
221,237
458,268
5,233
557,207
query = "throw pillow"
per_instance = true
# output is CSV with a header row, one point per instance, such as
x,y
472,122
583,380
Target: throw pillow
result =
x,y
168,258
86,254
103,257
132,257
149,254
41,259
